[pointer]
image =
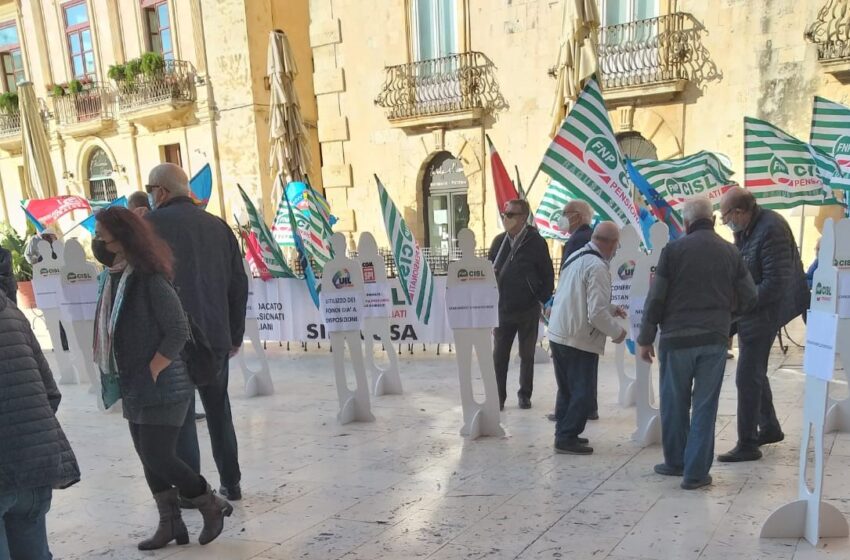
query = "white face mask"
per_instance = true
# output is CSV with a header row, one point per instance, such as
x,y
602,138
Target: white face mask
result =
x,y
564,224
735,227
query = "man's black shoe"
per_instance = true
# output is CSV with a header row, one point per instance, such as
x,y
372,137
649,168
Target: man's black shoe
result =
x,y
524,402
694,484
231,493
593,415
574,447
199,416
740,454
667,470
551,417
185,503
768,438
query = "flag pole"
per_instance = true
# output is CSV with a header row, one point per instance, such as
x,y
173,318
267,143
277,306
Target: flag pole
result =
x,y
531,184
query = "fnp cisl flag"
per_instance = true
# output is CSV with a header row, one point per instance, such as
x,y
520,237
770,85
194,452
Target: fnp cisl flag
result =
x,y
414,274
783,172
676,180
269,250
831,130
584,157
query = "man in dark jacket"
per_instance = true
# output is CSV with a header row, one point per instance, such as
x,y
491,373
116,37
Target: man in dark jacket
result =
x,y
213,288
767,245
8,285
526,279
700,282
35,456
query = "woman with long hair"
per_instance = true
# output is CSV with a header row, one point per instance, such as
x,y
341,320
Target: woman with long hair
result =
x,y
140,330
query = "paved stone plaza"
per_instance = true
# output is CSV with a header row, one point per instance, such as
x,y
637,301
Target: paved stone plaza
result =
x,y
408,486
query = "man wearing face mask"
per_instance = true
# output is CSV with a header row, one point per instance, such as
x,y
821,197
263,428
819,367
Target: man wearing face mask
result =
x,y
525,277
582,318
213,288
767,245
576,219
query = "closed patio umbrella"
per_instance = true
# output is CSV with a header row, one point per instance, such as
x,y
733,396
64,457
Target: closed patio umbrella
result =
x,y
39,177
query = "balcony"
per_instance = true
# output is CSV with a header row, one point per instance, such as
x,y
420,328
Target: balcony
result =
x,y
831,35
651,59
86,112
10,131
160,98
455,89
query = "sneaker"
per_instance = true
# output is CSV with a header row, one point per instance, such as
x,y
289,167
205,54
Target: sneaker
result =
x,y
231,493
667,470
574,447
740,454
524,402
694,484
593,415
551,417
768,438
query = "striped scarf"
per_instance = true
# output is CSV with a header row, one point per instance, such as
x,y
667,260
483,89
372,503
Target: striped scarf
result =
x,y
107,317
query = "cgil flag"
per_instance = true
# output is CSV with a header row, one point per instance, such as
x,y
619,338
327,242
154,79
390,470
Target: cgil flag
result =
x,y
782,171
676,180
414,274
584,156
269,250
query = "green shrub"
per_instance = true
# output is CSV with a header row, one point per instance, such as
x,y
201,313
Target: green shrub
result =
x,y
132,69
117,72
75,86
9,102
15,244
58,91
151,63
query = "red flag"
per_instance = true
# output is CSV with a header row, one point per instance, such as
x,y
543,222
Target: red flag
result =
x,y
505,189
254,256
48,210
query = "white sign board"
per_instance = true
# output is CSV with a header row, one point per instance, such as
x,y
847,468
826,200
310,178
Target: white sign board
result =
x,y
844,293
341,310
79,300
377,301
821,336
472,306
636,315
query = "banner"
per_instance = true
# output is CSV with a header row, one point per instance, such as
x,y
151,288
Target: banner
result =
x,y
783,172
49,210
585,157
676,180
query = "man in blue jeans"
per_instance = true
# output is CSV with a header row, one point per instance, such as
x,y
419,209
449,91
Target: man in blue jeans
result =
x,y
700,282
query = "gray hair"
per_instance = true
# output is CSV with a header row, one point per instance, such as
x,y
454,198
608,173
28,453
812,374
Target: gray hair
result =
x,y
170,177
699,208
582,208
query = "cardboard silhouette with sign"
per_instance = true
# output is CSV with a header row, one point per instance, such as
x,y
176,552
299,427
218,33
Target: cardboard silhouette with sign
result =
x,y
341,306
647,415
258,382
377,308
472,303
622,271
809,517
838,410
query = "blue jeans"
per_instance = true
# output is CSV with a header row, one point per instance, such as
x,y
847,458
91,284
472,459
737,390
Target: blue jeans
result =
x,y
690,389
575,372
220,425
23,533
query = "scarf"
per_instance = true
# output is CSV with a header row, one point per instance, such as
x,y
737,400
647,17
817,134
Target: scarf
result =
x,y
106,317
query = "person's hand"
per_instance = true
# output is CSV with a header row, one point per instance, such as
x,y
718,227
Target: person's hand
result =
x,y
234,350
620,338
646,353
620,312
157,365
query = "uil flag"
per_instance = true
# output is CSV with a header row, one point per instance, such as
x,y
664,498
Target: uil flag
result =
x,y
417,281
269,250
584,157
676,180
783,172
831,131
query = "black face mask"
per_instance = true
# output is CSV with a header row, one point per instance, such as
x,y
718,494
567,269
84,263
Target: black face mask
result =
x,y
101,253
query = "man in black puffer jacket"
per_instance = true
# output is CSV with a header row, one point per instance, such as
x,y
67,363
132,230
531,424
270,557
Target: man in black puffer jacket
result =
x,y
8,285
35,456
768,247
526,280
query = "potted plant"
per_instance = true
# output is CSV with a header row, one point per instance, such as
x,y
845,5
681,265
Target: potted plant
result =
x,y
75,86
21,268
132,69
116,72
151,63
57,91
9,102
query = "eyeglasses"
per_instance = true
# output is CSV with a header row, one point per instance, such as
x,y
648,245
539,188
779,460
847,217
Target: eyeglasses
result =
x,y
510,214
149,188
724,216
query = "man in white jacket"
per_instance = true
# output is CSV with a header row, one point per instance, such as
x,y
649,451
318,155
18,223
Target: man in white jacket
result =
x,y
582,317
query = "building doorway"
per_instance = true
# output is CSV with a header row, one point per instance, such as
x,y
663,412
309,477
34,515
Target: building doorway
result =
x,y
447,211
101,185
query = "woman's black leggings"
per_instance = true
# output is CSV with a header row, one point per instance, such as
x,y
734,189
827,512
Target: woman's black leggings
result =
x,y
157,448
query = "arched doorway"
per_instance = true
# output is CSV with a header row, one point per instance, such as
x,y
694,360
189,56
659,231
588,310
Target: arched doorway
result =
x,y
447,212
99,171
634,146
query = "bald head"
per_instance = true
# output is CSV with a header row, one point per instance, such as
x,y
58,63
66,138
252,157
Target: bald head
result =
x,y
167,181
606,236
737,207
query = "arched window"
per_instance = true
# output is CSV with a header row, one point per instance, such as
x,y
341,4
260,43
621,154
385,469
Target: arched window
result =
x,y
101,185
634,146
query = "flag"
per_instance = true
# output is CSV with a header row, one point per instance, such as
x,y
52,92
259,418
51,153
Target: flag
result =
x,y
89,222
254,255
505,189
662,211
49,210
585,157
270,252
314,228
676,180
414,274
303,254
39,227
783,172
550,211
281,227
200,186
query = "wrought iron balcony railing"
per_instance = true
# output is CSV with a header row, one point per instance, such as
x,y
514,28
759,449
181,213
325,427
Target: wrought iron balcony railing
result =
x,y
175,83
95,103
831,31
451,84
10,124
648,51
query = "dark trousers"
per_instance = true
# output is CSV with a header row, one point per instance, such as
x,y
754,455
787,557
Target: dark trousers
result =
x,y
23,527
524,324
755,399
575,371
220,425
157,448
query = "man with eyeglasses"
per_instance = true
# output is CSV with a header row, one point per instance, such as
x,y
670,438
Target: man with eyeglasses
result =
x,y
526,278
768,247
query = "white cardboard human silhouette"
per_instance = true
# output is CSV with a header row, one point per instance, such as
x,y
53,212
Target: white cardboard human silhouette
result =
x,y
838,410
377,309
341,299
257,382
622,270
78,305
46,280
808,516
647,415
472,301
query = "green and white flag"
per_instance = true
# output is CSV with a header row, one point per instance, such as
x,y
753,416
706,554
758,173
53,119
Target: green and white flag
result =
x,y
551,209
676,180
269,249
585,158
783,172
831,131
417,281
